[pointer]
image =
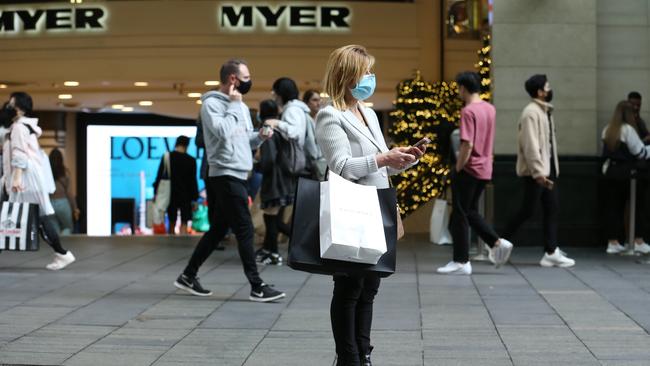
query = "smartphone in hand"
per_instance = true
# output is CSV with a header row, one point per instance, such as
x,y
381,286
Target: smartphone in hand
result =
x,y
424,141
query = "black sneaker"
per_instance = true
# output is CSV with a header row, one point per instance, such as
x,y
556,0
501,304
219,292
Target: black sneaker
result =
x,y
261,255
273,258
191,285
265,293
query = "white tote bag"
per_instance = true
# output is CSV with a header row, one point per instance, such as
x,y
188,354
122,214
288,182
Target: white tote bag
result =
x,y
439,227
163,194
351,226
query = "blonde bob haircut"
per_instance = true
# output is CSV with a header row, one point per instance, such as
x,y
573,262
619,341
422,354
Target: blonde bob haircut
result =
x,y
345,67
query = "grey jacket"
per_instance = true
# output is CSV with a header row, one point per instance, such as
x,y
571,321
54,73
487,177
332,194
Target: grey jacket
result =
x,y
229,136
293,125
350,147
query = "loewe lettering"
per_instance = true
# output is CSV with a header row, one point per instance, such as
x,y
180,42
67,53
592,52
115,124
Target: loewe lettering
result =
x,y
12,21
300,17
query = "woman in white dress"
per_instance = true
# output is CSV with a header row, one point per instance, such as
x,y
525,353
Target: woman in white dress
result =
x,y
23,178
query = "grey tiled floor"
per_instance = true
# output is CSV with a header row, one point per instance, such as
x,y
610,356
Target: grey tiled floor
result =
x,y
116,306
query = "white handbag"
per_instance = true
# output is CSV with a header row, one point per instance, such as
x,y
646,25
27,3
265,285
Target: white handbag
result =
x,y
439,226
351,226
163,194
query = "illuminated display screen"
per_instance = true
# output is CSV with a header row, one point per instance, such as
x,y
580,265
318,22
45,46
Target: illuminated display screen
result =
x,y
119,160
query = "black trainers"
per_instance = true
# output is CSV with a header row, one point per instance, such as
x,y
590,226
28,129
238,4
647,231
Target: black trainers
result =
x,y
191,285
261,254
265,293
272,258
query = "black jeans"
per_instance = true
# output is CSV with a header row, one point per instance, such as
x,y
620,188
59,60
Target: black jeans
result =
x,y
351,315
186,213
533,194
617,194
465,192
230,199
50,234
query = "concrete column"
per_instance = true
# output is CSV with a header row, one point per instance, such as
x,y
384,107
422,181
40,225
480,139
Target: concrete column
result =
x,y
553,37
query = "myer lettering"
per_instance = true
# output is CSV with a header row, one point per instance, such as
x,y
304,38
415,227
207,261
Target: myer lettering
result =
x,y
60,19
291,17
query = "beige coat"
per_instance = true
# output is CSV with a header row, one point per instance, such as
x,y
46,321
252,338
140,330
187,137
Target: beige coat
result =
x,y
534,141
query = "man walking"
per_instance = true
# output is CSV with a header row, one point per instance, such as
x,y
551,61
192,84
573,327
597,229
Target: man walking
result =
x,y
229,139
473,170
538,169
184,187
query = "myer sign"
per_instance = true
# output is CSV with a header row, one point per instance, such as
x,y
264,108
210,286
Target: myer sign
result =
x,y
31,20
285,17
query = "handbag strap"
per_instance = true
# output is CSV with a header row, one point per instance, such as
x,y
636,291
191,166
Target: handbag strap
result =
x,y
168,169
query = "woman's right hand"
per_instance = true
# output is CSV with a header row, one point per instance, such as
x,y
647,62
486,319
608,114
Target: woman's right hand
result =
x,y
397,158
17,183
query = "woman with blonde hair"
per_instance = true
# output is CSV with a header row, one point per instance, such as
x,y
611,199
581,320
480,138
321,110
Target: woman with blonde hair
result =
x,y
353,145
622,150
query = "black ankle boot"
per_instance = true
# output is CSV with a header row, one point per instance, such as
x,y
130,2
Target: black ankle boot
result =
x,y
365,357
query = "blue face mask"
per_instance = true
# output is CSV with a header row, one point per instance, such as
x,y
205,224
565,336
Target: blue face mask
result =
x,y
365,88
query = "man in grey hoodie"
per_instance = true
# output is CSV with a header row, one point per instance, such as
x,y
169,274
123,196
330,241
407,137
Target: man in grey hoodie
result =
x,y
229,138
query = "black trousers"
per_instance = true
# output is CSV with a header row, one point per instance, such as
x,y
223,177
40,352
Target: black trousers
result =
x,y
50,234
351,315
172,213
617,194
466,191
533,195
230,200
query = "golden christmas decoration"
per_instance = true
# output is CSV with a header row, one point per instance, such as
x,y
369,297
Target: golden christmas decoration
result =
x,y
432,110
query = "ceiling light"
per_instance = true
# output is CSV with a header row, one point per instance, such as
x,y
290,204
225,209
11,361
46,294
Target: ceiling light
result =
x,y
194,95
117,106
324,95
369,104
71,83
212,83
199,102
65,96
146,103
3,86
127,109
141,83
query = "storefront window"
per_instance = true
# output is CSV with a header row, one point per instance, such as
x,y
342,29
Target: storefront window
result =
x,y
468,18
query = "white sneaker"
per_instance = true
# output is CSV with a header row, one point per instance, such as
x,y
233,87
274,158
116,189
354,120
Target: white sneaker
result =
x,y
61,261
500,254
557,259
455,268
642,248
615,248
561,251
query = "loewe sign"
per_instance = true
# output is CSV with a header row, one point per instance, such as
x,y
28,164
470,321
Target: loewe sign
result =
x,y
292,17
62,19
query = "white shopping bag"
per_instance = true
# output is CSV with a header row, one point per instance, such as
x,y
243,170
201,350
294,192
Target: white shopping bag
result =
x,y
439,228
351,226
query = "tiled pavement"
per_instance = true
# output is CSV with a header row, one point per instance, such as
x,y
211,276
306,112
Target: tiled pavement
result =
x,y
117,306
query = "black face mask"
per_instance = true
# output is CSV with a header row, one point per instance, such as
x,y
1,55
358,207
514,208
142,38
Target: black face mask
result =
x,y
7,115
549,96
244,86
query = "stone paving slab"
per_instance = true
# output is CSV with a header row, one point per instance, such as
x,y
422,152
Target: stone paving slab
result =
x,y
116,306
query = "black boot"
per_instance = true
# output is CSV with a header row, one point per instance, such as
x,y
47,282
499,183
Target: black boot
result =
x,y
365,357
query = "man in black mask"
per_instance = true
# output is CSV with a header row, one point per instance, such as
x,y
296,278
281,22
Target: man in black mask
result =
x,y
635,100
229,139
538,169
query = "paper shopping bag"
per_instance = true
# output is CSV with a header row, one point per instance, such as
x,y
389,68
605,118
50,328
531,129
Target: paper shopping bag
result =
x,y
439,226
19,226
351,227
